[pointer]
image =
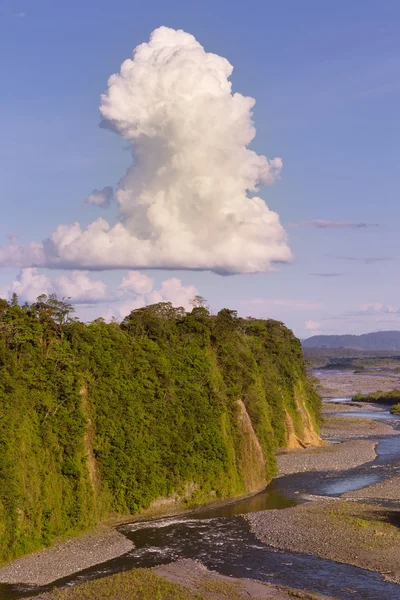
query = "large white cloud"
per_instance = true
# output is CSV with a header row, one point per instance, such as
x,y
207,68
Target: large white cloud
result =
x,y
187,201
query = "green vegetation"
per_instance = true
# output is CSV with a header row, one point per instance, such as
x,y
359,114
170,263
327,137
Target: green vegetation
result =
x,y
100,419
395,410
391,397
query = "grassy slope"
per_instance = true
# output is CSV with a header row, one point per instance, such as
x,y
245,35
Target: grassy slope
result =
x,y
106,418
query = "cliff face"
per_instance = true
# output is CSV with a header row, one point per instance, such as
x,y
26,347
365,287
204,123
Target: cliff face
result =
x,y
165,408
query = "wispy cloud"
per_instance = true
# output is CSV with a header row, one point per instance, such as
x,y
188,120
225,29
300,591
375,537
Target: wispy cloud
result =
x,y
20,15
325,224
368,260
327,274
368,312
293,304
375,309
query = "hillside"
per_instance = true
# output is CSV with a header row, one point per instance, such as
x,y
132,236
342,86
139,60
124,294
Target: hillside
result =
x,y
167,408
379,340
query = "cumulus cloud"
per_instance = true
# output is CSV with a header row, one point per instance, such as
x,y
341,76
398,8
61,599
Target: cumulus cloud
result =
x,y
100,197
28,285
325,224
137,283
137,290
189,199
78,286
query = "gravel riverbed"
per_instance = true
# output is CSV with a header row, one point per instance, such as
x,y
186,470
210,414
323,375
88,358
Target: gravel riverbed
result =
x,y
335,457
347,532
388,490
333,385
65,558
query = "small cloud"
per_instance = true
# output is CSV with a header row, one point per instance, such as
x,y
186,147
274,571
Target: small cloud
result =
x,y
327,274
293,304
374,259
312,324
137,282
381,313
100,197
325,224
368,260
20,15
313,327
375,309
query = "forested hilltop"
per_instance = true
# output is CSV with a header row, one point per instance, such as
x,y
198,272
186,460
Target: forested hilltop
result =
x,y
107,418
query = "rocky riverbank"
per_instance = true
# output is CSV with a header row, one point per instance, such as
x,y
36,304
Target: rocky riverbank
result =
x,y
356,534
384,491
334,457
65,558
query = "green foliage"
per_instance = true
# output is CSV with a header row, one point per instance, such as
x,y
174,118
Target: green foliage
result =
x,y
106,418
395,410
391,397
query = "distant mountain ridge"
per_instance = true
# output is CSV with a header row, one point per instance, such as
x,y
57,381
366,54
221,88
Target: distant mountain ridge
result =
x,y
378,340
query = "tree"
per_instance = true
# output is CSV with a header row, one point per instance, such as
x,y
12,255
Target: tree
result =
x,y
199,302
52,310
14,299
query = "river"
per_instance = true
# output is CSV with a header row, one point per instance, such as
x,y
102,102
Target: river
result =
x,y
221,538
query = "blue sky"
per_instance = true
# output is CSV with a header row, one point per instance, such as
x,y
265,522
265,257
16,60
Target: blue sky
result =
x,y
325,76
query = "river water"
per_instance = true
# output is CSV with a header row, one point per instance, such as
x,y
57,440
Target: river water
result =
x,y
221,539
